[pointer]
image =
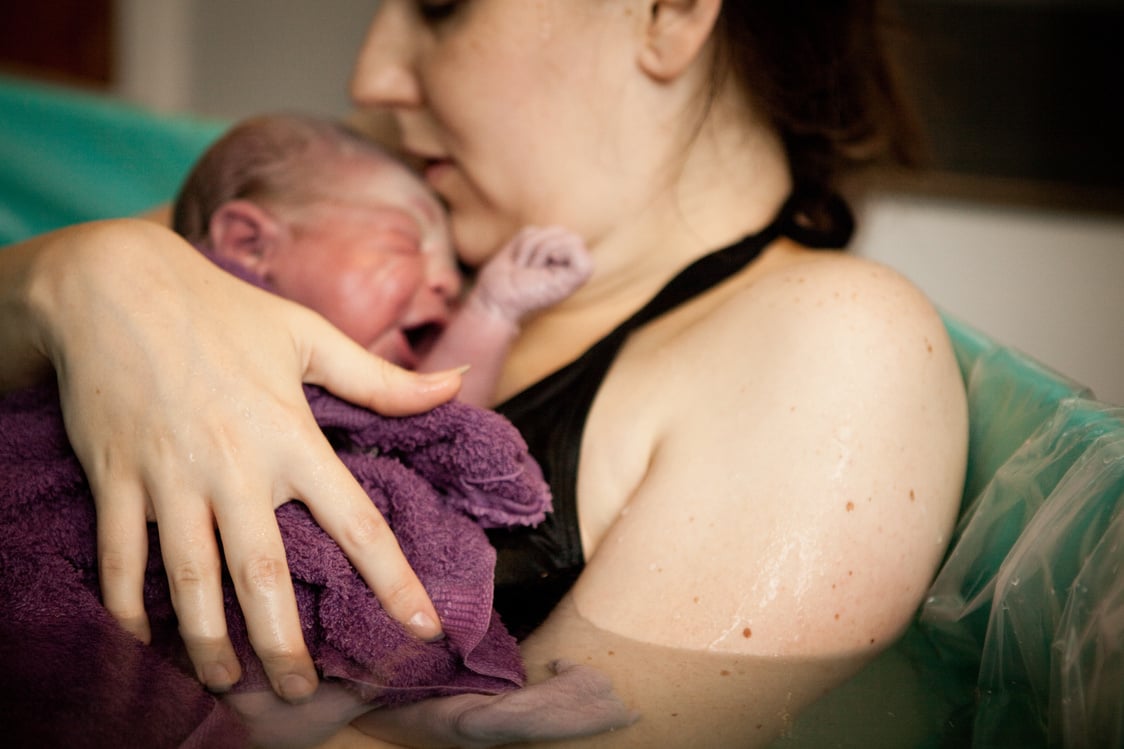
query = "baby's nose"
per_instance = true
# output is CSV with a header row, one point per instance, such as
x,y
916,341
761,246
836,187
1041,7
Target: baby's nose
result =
x,y
445,281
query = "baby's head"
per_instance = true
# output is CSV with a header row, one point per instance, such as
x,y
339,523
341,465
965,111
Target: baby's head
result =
x,y
321,215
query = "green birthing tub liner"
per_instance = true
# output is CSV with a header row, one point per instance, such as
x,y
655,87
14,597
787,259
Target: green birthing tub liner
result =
x,y
68,156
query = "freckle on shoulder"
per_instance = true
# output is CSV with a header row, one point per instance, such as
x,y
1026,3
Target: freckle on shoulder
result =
x,y
830,281
843,282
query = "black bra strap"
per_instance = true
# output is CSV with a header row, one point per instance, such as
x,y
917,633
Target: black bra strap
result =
x,y
709,270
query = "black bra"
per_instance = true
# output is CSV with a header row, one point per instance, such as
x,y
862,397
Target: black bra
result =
x,y
535,567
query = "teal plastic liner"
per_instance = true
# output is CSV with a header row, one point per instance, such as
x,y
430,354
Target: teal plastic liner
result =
x,y
69,156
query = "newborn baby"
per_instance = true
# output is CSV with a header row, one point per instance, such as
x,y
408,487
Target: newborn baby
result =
x,y
316,213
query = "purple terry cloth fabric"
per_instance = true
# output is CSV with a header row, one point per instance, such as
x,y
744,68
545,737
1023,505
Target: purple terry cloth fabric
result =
x,y
69,675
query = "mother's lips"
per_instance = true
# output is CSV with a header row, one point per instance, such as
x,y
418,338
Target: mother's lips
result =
x,y
434,168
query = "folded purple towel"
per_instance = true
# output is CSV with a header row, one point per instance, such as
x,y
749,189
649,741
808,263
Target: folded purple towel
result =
x,y
71,675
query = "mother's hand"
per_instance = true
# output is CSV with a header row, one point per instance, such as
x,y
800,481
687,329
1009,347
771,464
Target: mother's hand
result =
x,y
181,392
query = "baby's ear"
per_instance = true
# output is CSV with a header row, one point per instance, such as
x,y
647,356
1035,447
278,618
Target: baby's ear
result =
x,y
243,233
677,31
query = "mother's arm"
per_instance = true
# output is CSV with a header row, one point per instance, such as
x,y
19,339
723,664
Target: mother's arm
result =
x,y
181,392
803,451
803,482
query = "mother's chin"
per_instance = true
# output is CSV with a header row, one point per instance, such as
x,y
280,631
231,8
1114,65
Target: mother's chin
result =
x,y
477,237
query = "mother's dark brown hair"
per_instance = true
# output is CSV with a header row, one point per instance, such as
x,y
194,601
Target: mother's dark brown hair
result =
x,y
826,76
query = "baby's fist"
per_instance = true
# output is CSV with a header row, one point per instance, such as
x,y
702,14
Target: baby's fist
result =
x,y
539,267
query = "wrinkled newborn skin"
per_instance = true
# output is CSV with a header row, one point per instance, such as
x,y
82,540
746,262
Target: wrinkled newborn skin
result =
x,y
577,701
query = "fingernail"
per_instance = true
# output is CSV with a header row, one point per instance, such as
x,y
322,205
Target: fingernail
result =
x,y
445,374
296,688
423,626
217,677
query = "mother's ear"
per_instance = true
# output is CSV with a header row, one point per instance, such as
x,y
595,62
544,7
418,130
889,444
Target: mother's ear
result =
x,y
677,32
244,233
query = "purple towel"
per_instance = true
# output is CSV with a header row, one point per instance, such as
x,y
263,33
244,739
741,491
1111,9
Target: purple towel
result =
x,y
70,675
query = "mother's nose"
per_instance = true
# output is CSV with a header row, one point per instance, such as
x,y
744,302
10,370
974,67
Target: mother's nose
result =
x,y
384,70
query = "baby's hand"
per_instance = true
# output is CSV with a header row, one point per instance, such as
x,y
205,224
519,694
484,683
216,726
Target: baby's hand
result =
x,y
576,701
538,268
276,724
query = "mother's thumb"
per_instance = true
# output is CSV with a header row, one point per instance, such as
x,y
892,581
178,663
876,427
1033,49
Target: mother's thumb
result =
x,y
347,370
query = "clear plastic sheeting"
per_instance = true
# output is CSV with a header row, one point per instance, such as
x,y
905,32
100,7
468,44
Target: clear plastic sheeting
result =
x,y
1020,641
1032,587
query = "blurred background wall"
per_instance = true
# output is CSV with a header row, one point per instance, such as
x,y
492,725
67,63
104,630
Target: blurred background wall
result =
x,y
230,59
1019,231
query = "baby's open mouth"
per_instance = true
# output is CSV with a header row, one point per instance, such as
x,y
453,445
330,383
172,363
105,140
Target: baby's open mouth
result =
x,y
422,337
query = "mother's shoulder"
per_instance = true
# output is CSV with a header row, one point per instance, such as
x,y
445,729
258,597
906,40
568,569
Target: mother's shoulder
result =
x,y
836,290
834,272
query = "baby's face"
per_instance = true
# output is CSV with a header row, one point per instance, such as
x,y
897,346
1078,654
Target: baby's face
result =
x,y
378,264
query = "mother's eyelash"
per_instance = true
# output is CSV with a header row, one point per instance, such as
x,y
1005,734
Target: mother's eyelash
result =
x,y
433,11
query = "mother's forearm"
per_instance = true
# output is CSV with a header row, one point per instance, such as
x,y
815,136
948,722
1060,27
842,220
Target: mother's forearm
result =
x,y
34,276
686,697
24,360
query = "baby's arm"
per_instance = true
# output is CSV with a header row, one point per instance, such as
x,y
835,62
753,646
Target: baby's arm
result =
x,y
276,724
538,268
576,701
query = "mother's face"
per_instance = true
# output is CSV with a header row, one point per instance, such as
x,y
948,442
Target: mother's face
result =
x,y
515,106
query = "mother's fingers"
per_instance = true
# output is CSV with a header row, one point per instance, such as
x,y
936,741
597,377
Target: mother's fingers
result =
x,y
194,569
123,554
346,513
255,556
332,494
